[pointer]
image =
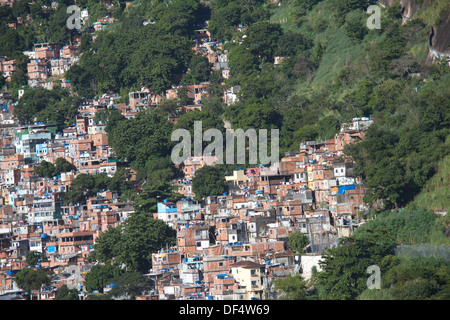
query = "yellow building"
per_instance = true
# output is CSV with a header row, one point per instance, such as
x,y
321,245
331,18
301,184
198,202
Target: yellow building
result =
x,y
238,178
310,177
5,198
248,274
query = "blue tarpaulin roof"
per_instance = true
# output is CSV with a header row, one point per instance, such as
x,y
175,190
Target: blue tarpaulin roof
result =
x,y
342,189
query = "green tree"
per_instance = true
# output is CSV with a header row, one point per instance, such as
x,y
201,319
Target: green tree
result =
x,y
344,268
120,181
292,44
414,278
158,169
57,26
292,287
132,244
306,4
111,117
2,81
30,279
145,56
262,39
33,258
386,97
298,241
207,121
100,276
137,139
167,108
306,133
394,11
21,8
208,181
51,106
145,236
343,6
62,165
392,46
183,97
146,201
36,11
355,26
64,293
85,186
242,63
45,169
108,247
258,114
131,284
199,70
226,16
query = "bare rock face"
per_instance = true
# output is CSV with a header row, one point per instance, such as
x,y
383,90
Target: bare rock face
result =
x,y
409,6
439,35
441,39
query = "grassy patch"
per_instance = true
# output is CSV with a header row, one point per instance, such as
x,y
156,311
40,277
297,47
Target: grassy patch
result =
x,y
431,15
436,195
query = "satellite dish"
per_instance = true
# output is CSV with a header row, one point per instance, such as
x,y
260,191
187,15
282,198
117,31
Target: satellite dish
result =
x,y
75,274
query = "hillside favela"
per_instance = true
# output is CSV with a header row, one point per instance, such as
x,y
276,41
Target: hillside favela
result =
x,y
119,179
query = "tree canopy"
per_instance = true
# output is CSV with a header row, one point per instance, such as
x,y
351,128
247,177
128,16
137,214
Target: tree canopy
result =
x,y
298,241
208,181
48,170
31,279
50,106
138,139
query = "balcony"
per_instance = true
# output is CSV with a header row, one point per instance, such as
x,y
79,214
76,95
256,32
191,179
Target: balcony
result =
x,y
226,292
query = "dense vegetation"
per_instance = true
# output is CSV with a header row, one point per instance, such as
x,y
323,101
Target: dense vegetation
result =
x,y
85,186
133,243
123,283
403,277
338,69
334,69
434,195
48,170
344,275
49,106
30,279
131,55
